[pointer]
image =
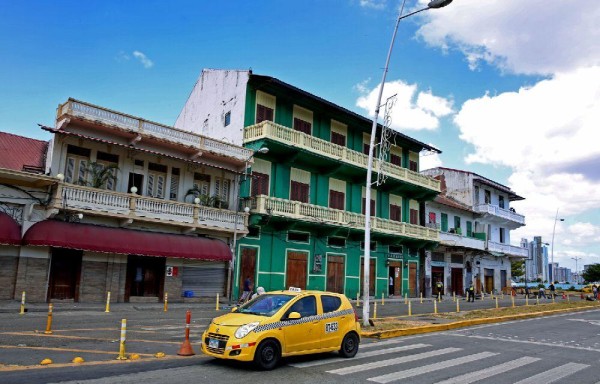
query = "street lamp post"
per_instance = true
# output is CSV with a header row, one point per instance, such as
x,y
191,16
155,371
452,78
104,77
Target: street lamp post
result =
x,y
367,245
552,251
576,268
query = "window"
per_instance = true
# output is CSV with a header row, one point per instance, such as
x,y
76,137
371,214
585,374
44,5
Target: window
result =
x,y
437,256
414,216
306,306
501,201
488,197
174,189
227,119
396,249
456,259
366,149
502,236
395,212
432,217
260,184
457,222
104,159
469,229
222,186
373,246
444,219
78,159
253,232
339,242
413,166
372,207
263,113
330,303
157,175
396,160
336,200
202,183
299,192
300,237
302,126
338,138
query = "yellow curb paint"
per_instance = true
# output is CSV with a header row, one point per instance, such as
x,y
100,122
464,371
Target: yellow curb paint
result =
x,y
85,338
51,349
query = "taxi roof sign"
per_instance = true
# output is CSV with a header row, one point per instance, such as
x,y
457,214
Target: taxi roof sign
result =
x,y
294,289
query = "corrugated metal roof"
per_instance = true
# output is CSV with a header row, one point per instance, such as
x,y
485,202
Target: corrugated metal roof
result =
x,y
21,153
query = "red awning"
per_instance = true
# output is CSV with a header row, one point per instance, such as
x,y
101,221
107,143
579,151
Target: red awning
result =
x,y
10,230
127,241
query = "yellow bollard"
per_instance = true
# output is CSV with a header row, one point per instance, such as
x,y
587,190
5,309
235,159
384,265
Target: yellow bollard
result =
x,y
482,295
409,309
453,296
107,302
513,301
406,298
526,300
568,300
537,300
49,323
122,341
434,306
22,304
374,309
457,306
166,307
496,302
358,299
217,307
421,298
382,295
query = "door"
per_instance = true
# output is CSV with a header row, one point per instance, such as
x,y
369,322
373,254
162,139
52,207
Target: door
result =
x,y
371,276
135,180
302,335
335,273
437,274
456,278
247,267
503,281
395,276
489,280
145,276
65,273
412,279
297,264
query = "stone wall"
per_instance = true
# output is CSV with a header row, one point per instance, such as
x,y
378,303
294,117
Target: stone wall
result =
x,y
8,271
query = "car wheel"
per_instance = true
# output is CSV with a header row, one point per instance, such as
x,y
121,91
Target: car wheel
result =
x,y
267,355
349,345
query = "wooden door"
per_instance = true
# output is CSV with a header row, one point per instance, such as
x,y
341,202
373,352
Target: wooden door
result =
x,y
456,276
335,274
65,272
371,276
247,267
297,264
412,279
395,272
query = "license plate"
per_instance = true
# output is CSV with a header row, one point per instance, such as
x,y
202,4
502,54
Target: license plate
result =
x,y
213,343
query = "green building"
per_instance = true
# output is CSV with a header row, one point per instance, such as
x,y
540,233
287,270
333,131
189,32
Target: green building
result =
x,y
305,188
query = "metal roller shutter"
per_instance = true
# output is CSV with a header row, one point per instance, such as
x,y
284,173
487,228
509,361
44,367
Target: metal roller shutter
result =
x,y
204,278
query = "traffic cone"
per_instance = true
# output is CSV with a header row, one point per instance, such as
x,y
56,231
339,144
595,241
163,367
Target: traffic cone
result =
x,y
186,346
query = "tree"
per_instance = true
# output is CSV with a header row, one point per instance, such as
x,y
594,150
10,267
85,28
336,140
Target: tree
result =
x,y
517,268
592,273
98,175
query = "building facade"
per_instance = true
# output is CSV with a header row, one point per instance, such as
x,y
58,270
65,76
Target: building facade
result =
x,y
122,205
537,261
474,216
306,189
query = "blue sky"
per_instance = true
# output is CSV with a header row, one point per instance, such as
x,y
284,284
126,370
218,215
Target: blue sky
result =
x,y
505,88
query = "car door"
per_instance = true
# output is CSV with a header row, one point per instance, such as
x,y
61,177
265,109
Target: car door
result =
x,y
333,325
302,334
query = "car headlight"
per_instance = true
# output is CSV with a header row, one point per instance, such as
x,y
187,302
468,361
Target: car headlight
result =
x,y
245,329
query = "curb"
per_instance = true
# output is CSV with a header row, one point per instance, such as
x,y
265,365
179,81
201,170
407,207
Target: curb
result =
x,y
465,323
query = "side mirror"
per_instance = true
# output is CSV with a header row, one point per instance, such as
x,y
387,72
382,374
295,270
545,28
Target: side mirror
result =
x,y
294,316
234,309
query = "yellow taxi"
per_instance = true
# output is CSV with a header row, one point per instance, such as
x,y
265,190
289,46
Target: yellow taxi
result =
x,y
284,323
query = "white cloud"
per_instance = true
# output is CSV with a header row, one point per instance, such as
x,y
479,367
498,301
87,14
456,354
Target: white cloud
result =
x,y
375,4
429,159
146,62
527,37
413,110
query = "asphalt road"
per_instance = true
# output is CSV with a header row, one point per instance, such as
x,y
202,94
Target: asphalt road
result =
x,y
562,345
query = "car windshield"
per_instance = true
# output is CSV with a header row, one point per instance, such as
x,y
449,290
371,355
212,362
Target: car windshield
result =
x,y
265,305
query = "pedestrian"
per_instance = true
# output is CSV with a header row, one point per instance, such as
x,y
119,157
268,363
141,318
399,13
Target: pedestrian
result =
x,y
248,287
259,291
594,291
542,292
552,290
440,289
391,291
471,293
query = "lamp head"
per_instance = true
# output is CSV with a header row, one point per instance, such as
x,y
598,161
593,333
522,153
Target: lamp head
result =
x,y
262,150
197,200
60,177
247,209
133,190
438,3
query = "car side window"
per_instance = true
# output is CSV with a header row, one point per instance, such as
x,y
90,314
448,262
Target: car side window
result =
x,y
330,303
307,306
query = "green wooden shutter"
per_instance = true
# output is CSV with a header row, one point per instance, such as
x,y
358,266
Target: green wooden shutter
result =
x,y
444,222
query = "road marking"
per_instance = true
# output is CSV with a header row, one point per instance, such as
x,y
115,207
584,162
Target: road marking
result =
x,y
528,342
86,338
68,350
359,355
430,368
471,377
398,360
380,343
554,374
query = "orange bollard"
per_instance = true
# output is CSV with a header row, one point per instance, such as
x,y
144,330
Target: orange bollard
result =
x,y
186,346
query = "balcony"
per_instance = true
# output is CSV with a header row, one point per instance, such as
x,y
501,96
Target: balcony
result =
x,y
144,128
500,215
130,207
509,250
456,240
325,149
323,215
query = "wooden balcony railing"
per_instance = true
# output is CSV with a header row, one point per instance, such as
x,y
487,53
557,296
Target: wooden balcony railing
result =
x,y
314,213
144,127
276,132
130,206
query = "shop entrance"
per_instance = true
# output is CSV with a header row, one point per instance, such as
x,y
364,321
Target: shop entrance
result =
x,y
297,265
65,273
335,273
395,276
247,268
456,277
437,274
489,280
145,276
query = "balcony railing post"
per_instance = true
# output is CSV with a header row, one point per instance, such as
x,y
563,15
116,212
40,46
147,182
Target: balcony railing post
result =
x,y
132,204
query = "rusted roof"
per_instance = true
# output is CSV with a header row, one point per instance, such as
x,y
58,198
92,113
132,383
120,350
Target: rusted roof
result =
x,y
448,201
21,153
